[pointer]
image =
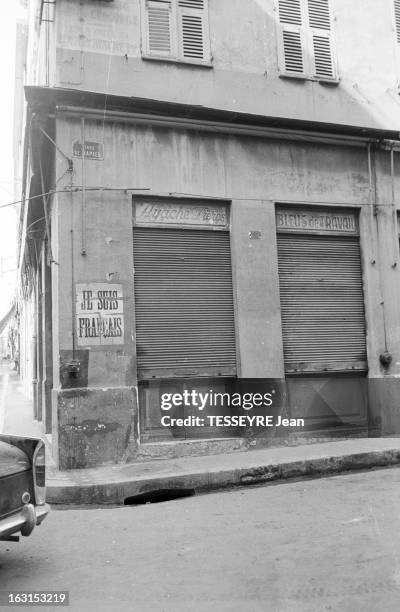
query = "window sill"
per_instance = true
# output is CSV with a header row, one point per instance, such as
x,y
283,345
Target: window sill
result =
x,y
174,60
304,77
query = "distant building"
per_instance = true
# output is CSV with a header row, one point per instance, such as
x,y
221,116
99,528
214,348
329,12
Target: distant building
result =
x,y
210,194
8,336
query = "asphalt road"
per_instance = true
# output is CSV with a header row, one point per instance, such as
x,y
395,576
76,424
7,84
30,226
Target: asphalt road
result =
x,y
314,545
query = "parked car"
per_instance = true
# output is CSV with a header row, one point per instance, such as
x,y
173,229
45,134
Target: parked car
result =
x,y
22,486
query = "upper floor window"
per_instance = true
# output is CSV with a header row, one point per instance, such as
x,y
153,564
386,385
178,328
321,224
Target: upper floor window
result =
x,y
176,30
397,19
306,47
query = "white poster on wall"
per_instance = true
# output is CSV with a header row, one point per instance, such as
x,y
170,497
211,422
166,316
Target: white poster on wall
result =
x,y
99,314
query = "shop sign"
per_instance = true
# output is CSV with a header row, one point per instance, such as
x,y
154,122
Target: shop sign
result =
x,y
179,213
99,314
316,221
93,150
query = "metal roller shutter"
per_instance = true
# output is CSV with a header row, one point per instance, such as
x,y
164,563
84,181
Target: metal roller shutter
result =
x,y
322,303
184,303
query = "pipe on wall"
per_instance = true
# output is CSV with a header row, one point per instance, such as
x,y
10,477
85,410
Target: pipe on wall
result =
x,y
83,199
394,211
217,127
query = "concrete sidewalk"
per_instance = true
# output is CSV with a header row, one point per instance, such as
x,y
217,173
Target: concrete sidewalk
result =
x,y
16,408
113,484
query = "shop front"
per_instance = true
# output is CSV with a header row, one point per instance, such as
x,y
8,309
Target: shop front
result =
x,y
323,315
184,309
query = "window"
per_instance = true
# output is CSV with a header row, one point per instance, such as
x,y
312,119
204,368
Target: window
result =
x,y
176,30
305,40
397,19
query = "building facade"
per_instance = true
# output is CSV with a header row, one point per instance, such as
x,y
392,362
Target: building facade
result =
x,y
210,196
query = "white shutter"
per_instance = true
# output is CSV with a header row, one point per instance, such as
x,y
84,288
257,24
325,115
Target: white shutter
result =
x,y
193,29
291,48
319,22
323,57
290,11
293,51
397,18
318,14
159,28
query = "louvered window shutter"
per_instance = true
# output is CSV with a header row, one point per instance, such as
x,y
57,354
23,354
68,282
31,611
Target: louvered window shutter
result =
x,y
159,28
319,22
397,19
193,29
291,51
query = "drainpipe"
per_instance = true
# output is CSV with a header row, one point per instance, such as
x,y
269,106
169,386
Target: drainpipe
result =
x,y
34,352
83,200
73,307
394,211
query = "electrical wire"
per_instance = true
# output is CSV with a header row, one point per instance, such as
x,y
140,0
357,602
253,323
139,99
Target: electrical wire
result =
x,y
75,188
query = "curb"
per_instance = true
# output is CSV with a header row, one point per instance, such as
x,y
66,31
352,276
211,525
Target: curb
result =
x,y
212,480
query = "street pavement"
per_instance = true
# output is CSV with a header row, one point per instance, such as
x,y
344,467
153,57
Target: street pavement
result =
x,y
306,546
